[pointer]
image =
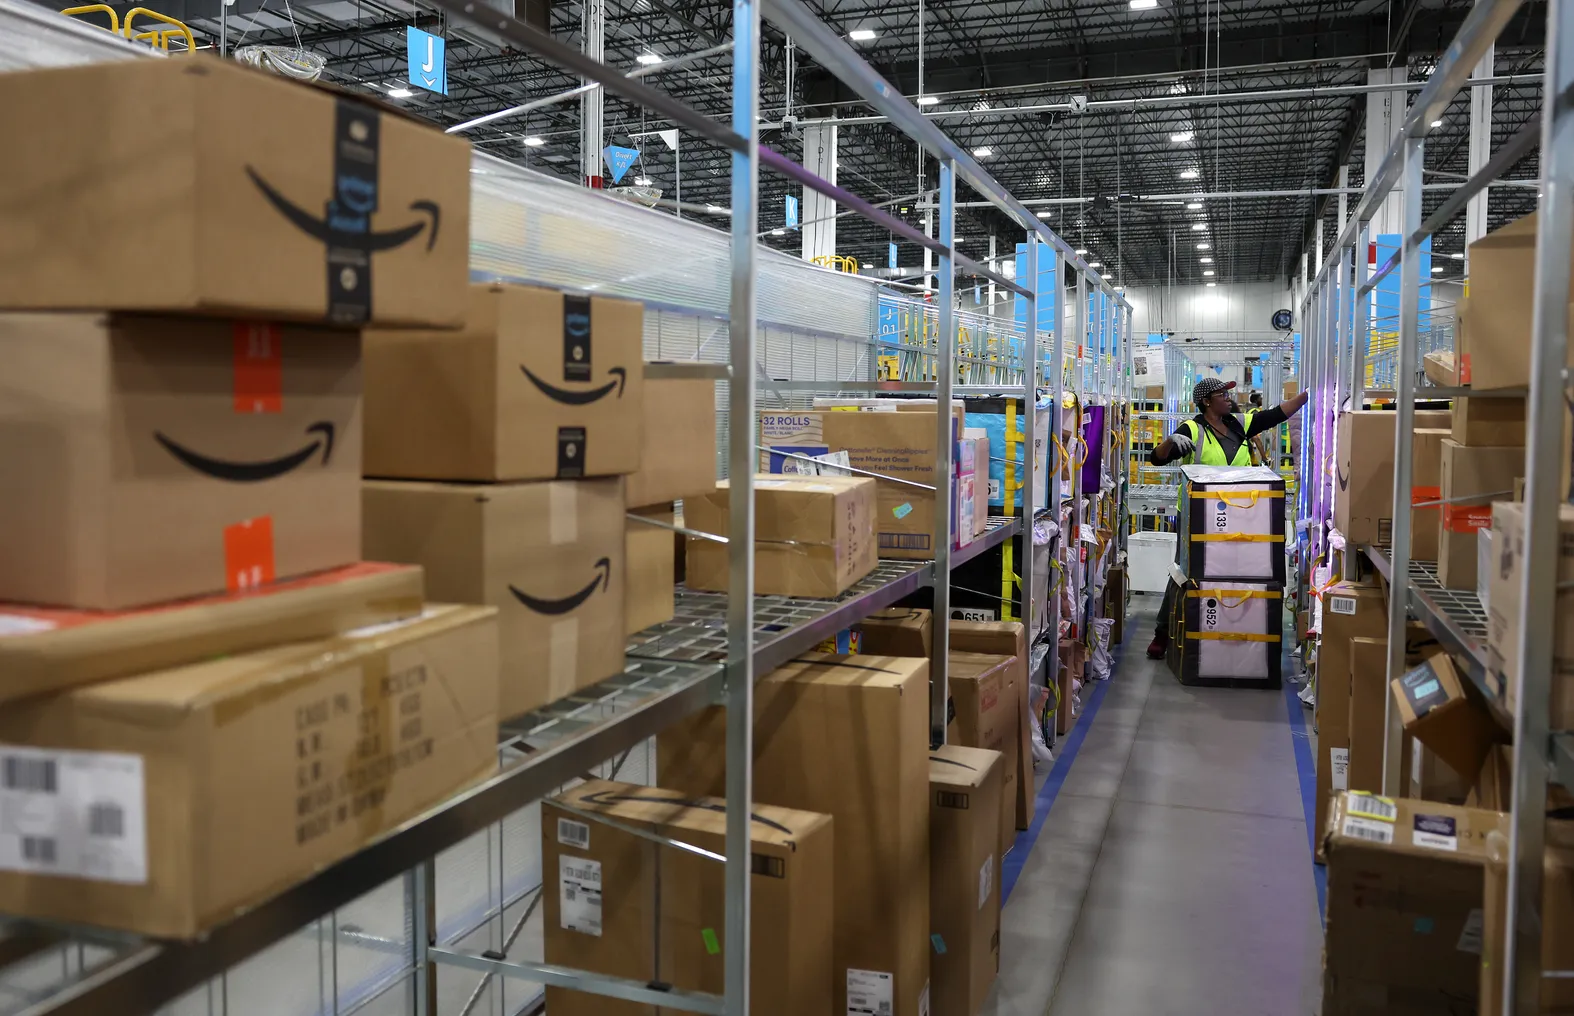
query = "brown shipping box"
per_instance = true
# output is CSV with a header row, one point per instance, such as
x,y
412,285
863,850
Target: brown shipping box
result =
x,y
1557,921
1364,480
964,876
814,536
900,445
1404,905
1503,611
649,565
1350,611
847,737
148,459
1007,638
986,717
678,442
1478,476
1429,778
897,631
1442,711
50,649
1489,421
625,906
1369,699
537,385
181,797
548,556
196,185
1502,298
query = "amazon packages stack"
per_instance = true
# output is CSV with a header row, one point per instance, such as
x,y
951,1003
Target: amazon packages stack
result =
x,y
1226,627
186,624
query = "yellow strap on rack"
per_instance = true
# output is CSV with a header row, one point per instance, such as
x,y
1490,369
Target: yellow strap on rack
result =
x,y
1236,538
1232,636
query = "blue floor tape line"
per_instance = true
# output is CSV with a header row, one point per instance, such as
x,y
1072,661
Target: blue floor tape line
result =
x,y
1306,774
1016,860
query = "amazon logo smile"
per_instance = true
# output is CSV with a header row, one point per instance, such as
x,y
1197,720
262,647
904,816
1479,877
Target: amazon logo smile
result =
x,y
346,223
568,603
252,472
583,398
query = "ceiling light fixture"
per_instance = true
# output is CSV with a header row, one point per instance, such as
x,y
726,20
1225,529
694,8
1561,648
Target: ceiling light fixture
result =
x,y
399,93
648,59
1208,272
1046,214
1144,5
1095,264
1457,257
1189,174
1193,206
642,181
983,153
1436,269
861,35
778,232
1198,227
928,100
1210,285
1081,251
714,208
1183,138
1437,123
1204,246
1205,261
534,142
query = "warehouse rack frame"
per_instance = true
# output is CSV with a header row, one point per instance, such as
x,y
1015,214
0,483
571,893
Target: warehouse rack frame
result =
x,y
559,743
1337,339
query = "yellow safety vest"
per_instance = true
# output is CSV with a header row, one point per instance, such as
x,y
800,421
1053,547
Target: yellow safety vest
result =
x,y
1210,452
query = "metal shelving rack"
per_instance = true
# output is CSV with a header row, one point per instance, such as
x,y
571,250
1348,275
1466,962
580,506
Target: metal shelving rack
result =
x,y
717,644
1338,336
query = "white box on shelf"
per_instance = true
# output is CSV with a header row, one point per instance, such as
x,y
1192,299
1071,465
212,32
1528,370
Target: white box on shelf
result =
x,y
1151,555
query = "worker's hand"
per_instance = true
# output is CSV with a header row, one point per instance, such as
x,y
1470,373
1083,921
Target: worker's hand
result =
x,y
1182,444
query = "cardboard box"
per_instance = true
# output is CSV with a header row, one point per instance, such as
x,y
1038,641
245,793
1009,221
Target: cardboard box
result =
x,y
987,717
1369,699
964,876
1445,713
1429,778
1155,393
204,186
1350,611
1441,368
1364,480
1494,785
45,650
1502,285
900,445
1426,479
980,442
1557,921
619,904
1478,475
850,739
897,631
148,459
647,550
228,781
678,450
1489,421
1007,638
1404,904
1503,611
814,536
537,385
548,556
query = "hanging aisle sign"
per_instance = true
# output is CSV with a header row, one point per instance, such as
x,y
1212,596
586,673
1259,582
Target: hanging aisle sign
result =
x,y
792,212
618,160
428,65
891,256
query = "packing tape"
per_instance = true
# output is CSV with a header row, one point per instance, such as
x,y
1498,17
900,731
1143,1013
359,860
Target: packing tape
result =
x,y
1236,538
562,657
562,512
1232,636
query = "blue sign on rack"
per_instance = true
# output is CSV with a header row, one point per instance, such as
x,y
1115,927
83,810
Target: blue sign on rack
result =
x,y
792,212
428,66
891,256
619,160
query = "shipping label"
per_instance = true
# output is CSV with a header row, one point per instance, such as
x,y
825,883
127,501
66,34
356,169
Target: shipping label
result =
x,y
579,894
1339,767
1367,829
1470,934
74,813
1438,832
870,992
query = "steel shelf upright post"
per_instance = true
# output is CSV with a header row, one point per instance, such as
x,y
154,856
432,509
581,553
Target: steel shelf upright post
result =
x,y
1078,391
1030,374
1545,495
945,377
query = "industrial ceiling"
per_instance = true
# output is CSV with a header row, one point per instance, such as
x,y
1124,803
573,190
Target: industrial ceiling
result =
x,y
1109,120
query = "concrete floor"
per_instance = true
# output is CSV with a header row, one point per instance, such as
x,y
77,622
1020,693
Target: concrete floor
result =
x,y
1172,874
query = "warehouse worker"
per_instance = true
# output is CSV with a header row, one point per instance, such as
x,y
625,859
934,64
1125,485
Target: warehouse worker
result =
x,y
1214,437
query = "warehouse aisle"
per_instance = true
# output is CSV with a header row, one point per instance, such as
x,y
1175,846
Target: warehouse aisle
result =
x,y
1172,874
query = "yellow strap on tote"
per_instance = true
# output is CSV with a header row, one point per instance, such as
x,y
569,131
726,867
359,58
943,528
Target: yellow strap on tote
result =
x,y
1232,636
1236,538
1251,496
1234,597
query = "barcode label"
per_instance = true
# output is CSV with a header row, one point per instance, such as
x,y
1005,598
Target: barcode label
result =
x,y
37,775
106,820
579,895
1366,829
573,834
1341,604
74,813
870,992
1372,806
905,541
